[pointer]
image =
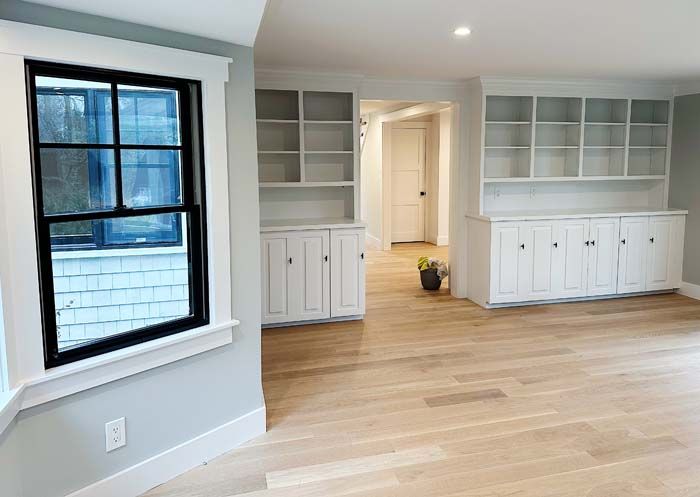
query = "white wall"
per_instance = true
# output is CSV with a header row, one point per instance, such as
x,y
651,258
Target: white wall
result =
x,y
444,159
371,181
58,447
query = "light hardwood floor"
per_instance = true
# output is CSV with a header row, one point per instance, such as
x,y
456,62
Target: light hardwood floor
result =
x,y
434,396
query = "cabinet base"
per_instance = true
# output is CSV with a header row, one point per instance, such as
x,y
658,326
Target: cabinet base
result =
x,y
578,299
314,321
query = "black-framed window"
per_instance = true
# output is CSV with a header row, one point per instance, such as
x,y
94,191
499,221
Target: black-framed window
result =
x,y
117,163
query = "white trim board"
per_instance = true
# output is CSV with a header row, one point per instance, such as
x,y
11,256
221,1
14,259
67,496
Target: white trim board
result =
x,y
689,290
165,466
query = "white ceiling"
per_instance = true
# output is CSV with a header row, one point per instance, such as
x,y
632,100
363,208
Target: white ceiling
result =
x,y
610,39
234,21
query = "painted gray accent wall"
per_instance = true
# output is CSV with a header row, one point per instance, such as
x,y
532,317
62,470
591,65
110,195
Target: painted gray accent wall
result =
x,y
58,447
684,191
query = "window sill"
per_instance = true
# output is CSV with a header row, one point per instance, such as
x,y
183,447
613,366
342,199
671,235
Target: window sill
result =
x,y
112,252
89,373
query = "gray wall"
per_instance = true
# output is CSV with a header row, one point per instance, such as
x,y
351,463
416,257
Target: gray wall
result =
x,y
58,447
684,191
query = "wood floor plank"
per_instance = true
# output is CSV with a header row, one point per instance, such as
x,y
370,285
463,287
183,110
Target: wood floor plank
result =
x,y
431,396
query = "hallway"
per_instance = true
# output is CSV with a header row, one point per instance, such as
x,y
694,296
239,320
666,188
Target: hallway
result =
x,y
434,396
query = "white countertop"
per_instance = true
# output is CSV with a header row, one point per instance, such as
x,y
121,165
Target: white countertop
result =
x,y
324,223
538,215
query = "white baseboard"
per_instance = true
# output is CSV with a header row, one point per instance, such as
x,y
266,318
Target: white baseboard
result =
x,y
372,242
690,290
442,240
165,466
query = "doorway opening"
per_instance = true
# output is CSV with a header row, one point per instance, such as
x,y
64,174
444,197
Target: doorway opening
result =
x,y
405,170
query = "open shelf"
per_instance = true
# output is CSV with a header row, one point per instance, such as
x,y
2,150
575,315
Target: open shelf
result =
x,y
508,109
568,179
651,136
277,105
603,161
606,111
328,106
597,135
328,137
508,135
306,184
647,161
556,162
328,167
278,136
507,162
275,168
562,135
649,112
558,110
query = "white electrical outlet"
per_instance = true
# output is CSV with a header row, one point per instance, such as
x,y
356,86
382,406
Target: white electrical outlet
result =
x,y
115,433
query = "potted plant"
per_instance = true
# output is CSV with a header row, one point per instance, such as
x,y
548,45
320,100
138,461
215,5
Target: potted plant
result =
x,y
432,272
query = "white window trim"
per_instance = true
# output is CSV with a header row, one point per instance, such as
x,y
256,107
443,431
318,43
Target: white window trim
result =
x,y
29,382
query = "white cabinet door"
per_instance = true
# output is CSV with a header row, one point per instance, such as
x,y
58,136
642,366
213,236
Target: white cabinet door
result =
x,y
347,272
309,275
535,271
571,259
506,257
633,255
603,256
659,256
677,251
275,264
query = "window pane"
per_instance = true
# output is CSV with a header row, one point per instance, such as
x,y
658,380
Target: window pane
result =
x,y
151,177
160,228
98,295
76,180
73,111
148,116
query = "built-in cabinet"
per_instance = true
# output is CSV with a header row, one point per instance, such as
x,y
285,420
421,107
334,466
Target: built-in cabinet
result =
x,y
312,241
585,257
568,191
311,275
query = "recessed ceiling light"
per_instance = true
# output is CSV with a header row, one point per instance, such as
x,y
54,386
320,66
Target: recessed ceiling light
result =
x,y
462,31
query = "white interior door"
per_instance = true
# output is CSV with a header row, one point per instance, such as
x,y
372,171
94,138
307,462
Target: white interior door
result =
x,y
347,272
634,234
407,185
309,275
536,269
275,263
603,256
505,263
571,259
659,266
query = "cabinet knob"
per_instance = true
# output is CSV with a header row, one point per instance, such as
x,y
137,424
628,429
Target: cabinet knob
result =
x,y
588,243
623,241
362,255
290,260
522,246
422,194
593,243
325,258
651,239
556,244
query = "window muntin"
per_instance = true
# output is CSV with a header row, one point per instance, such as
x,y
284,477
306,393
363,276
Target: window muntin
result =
x,y
96,189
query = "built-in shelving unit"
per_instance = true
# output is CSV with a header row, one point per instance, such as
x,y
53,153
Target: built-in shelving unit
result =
x,y
307,153
545,139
